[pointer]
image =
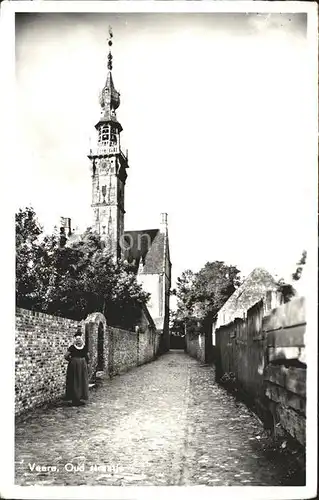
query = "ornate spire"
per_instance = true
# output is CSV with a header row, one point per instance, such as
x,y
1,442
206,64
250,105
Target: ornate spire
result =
x,y
110,97
110,43
108,165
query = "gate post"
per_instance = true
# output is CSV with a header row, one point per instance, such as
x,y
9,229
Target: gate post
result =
x,y
96,337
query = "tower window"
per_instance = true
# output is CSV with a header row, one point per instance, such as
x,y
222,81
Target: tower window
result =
x,y
107,133
104,134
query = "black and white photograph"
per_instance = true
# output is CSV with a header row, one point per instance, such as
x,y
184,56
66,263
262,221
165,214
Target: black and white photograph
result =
x,y
162,165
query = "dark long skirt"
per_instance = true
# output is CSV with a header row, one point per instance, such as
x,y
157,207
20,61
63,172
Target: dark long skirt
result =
x,y
77,380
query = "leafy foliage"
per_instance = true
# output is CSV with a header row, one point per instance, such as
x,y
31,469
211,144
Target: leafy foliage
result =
x,y
201,295
73,280
28,253
287,290
214,284
297,274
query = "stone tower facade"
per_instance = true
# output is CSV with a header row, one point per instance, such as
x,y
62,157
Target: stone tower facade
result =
x,y
108,169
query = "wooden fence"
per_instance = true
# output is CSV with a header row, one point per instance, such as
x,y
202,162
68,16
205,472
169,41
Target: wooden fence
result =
x,y
266,354
285,372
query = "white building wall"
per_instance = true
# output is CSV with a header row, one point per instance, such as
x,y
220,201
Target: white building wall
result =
x,y
151,284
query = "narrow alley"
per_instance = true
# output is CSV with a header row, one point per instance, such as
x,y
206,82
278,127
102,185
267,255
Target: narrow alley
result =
x,y
164,423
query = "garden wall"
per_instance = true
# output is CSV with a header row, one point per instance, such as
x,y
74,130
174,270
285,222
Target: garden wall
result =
x,y
195,346
41,341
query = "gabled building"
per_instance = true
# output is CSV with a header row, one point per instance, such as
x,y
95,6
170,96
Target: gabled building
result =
x,y
148,251
258,284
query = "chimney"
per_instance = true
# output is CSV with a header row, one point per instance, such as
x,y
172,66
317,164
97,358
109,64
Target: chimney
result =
x,y
65,230
163,225
65,222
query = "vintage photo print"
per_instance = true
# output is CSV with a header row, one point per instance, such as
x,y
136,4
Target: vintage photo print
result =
x,y
160,211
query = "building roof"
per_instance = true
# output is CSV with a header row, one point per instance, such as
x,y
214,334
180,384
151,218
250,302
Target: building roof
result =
x,y
113,100
255,286
146,250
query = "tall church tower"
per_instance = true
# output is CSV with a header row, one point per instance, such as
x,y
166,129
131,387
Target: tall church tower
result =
x,y
108,168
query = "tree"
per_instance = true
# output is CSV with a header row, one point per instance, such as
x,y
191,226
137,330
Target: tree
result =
x,y
75,279
302,261
28,250
177,324
200,295
214,284
184,293
86,279
288,290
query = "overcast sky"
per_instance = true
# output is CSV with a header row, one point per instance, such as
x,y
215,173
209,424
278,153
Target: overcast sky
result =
x,y
215,111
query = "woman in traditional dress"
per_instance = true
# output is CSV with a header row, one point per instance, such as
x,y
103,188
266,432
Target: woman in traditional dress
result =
x,y
77,379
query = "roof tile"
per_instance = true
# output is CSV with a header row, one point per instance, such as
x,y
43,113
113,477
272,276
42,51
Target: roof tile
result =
x,y
145,250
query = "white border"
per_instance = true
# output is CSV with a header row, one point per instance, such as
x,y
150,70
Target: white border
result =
x,y
7,34
159,6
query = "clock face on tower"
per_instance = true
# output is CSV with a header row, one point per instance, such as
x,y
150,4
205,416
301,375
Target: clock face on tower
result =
x,y
105,166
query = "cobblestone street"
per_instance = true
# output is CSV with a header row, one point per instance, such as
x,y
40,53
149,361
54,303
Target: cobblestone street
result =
x,y
164,423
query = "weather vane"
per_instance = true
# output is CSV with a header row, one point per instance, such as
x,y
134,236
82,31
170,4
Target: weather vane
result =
x,y
110,43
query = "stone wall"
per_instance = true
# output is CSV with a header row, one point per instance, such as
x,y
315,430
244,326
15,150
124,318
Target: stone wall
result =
x,y
125,350
147,348
195,346
41,341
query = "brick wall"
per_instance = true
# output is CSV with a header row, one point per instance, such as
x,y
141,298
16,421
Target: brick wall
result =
x,y
41,341
40,344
